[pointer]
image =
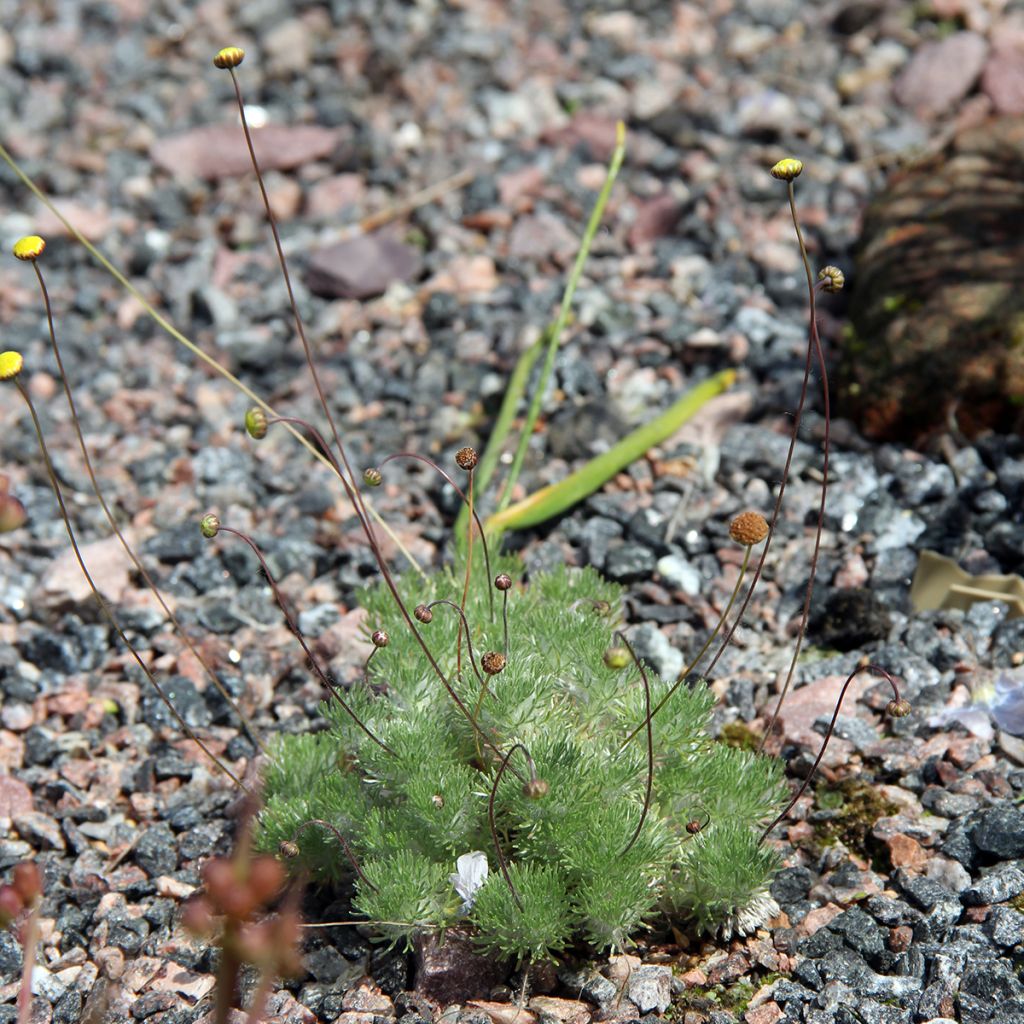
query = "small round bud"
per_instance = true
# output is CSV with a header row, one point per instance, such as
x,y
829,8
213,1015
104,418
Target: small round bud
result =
x,y
256,423
694,826
209,525
198,917
10,365
832,279
372,477
492,662
787,170
229,57
503,581
27,880
288,850
12,513
266,877
437,800
616,657
423,613
29,248
10,905
466,458
748,528
380,638
536,789
898,708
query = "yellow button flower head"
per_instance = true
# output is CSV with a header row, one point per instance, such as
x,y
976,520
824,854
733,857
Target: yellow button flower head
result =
x,y
10,365
788,169
229,57
29,248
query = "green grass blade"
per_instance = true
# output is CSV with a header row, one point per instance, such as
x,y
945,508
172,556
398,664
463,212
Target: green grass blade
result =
x,y
556,498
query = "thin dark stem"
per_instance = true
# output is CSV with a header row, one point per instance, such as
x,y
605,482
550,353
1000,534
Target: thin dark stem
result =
x,y
76,424
490,815
102,601
469,569
344,845
682,677
467,500
299,327
877,670
813,345
504,619
294,627
650,743
465,625
392,586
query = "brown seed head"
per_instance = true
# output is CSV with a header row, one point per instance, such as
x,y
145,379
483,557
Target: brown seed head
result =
x,y
694,826
748,528
536,789
492,662
466,458
289,850
423,613
27,880
380,638
503,581
898,708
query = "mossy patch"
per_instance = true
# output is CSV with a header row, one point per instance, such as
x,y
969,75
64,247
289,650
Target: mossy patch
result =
x,y
857,806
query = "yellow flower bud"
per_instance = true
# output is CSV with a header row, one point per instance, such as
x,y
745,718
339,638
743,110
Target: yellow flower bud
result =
x,y
10,365
787,170
229,57
29,248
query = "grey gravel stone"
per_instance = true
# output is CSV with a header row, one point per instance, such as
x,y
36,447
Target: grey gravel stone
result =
x,y
1005,926
997,886
650,988
1000,831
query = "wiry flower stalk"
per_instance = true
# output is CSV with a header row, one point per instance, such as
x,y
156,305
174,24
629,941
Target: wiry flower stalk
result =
x,y
29,249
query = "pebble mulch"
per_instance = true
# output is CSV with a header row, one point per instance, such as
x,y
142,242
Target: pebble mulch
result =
x,y
903,893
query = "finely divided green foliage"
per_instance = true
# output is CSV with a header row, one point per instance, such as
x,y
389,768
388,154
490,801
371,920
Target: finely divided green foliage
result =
x,y
408,814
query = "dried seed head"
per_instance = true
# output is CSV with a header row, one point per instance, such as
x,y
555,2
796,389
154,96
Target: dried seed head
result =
x,y
437,800
372,477
10,365
788,169
229,57
423,613
536,789
209,525
466,458
748,528
694,826
832,277
616,657
12,513
492,662
27,881
380,638
503,581
898,708
256,423
288,850
29,248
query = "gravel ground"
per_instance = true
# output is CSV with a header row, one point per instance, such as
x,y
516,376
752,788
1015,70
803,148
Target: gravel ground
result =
x,y
908,912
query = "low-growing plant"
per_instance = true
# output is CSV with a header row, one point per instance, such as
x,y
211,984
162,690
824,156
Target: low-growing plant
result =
x,y
505,761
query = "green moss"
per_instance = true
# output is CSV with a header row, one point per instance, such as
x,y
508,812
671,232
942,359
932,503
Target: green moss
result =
x,y
858,806
739,735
